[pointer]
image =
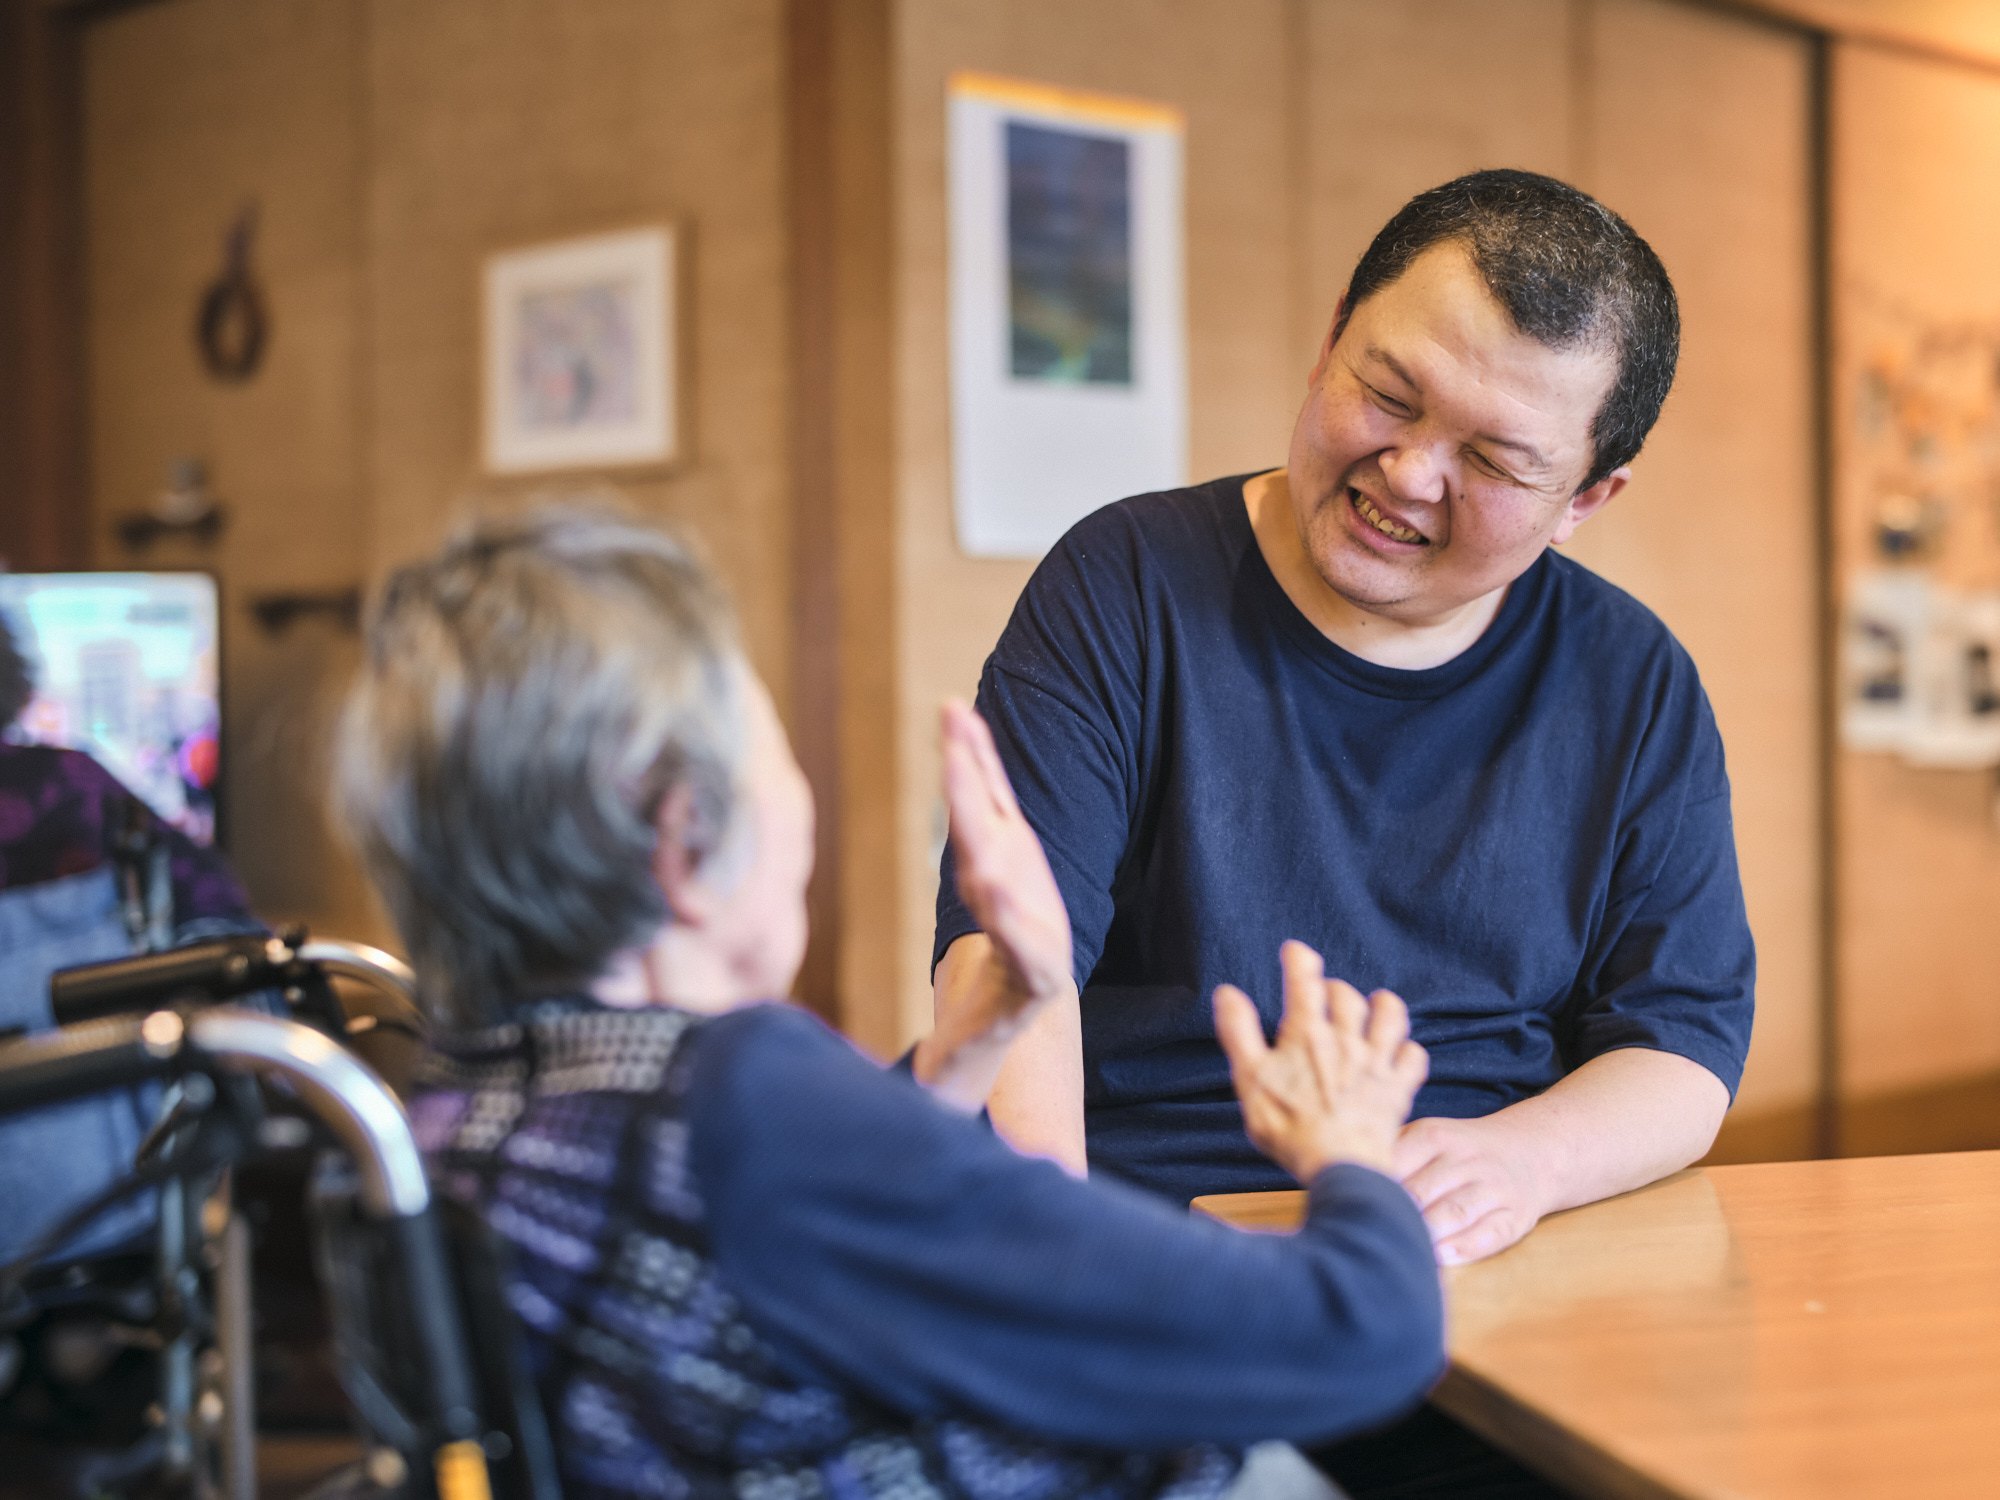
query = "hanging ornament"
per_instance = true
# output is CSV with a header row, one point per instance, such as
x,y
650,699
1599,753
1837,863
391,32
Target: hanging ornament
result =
x,y
231,328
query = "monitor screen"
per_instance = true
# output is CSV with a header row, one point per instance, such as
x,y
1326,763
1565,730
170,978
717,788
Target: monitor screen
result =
x,y
125,667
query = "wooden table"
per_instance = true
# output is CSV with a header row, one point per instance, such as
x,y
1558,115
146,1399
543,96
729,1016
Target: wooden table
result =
x,y
1794,1329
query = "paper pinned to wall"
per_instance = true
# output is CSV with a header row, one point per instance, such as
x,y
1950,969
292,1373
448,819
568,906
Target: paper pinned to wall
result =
x,y
1068,308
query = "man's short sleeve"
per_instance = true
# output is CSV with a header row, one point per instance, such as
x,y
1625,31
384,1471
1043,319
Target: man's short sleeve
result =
x,y
1675,967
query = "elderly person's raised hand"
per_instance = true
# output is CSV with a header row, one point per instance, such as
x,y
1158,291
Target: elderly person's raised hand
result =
x,y
1337,1083
1006,883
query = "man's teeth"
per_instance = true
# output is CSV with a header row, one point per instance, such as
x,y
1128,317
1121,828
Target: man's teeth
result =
x,y
1381,522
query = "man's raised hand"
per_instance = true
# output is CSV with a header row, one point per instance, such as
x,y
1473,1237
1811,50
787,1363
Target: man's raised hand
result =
x,y
1337,1084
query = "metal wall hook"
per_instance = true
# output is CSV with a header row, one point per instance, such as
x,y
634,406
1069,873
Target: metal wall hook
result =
x,y
186,507
275,613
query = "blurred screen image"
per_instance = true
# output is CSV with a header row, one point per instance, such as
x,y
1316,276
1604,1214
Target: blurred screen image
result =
x,y
126,669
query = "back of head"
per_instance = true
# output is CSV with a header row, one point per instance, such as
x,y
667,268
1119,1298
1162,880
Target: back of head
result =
x,y
528,697
17,679
1569,272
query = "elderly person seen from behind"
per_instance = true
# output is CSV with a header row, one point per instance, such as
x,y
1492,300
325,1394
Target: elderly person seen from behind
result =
x,y
743,1255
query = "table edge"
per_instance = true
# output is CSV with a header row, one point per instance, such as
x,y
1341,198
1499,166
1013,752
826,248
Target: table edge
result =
x,y
1540,1443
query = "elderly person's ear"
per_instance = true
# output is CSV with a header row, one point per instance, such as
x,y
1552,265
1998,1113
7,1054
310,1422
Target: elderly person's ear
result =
x,y
682,861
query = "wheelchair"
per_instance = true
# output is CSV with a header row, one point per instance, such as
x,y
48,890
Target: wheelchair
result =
x,y
422,1333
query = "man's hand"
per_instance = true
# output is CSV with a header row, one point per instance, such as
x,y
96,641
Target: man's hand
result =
x,y
1339,1080
1005,882
1474,1181
1620,1121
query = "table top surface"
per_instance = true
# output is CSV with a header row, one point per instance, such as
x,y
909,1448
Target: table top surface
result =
x,y
1777,1330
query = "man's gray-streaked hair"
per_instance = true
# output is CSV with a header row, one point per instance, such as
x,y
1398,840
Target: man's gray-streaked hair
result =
x,y
1570,273
528,697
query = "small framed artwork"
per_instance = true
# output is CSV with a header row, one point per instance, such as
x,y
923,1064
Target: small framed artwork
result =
x,y
580,349
1068,312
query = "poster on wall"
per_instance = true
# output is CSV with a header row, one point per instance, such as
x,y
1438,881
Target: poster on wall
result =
x,y
1068,310
1921,669
1920,649
579,353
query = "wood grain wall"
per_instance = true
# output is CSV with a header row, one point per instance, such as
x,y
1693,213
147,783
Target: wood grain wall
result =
x,y
390,148
1916,241
192,111
44,450
499,124
1717,531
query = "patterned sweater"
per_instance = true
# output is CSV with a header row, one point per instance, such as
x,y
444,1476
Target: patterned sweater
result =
x,y
749,1263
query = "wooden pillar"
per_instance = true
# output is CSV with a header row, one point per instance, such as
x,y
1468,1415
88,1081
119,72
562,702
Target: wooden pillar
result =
x,y
839,173
44,481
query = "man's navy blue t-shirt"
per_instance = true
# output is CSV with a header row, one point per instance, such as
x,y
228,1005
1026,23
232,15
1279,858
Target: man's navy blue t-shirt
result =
x,y
1531,844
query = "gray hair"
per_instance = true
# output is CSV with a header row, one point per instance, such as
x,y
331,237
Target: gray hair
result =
x,y
528,697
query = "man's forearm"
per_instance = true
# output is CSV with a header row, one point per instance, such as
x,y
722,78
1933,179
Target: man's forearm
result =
x,y
1030,1079
1620,1121
961,1058
1037,1102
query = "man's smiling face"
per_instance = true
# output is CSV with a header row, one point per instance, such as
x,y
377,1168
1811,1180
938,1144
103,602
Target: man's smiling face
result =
x,y
1440,448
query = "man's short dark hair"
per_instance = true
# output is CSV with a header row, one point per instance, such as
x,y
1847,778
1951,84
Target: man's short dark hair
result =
x,y
1570,273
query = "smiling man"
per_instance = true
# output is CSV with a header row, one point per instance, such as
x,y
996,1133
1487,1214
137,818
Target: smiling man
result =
x,y
1359,701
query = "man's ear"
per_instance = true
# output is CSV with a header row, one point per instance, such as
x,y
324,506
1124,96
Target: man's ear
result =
x,y
1586,503
676,865
1340,311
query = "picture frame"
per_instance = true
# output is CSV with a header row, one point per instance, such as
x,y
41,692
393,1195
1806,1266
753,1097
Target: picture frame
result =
x,y
1068,307
581,364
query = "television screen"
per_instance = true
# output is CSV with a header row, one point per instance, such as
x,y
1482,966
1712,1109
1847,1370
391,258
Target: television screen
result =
x,y
125,667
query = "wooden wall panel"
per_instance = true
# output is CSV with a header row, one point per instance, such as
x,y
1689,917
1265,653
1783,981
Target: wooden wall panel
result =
x,y
45,520
1398,98
391,147
1695,129
497,125
1228,66
840,166
191,110
1916,241
1956,30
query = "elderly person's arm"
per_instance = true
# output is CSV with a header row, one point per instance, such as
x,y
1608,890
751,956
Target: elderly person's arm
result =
x,y
1006,1001
909,1253
1065,692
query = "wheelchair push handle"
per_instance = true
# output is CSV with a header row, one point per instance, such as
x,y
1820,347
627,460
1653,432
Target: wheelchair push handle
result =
x,y
88,1059
224,969
349,960
213,971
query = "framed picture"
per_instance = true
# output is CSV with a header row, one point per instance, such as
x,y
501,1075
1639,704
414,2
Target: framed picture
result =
x,y
580,353
1068,315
